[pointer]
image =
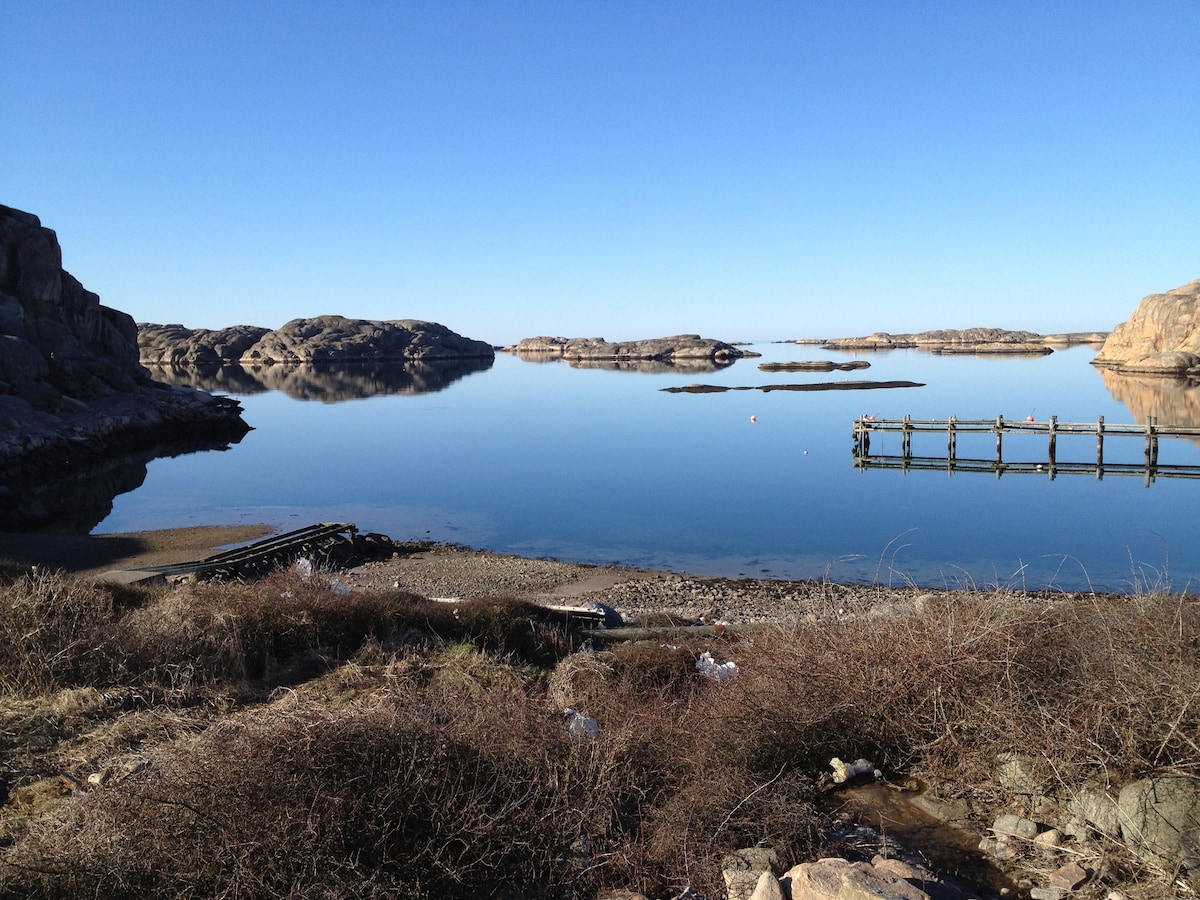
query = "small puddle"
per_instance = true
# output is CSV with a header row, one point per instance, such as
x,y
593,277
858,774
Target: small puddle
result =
x,y
924,827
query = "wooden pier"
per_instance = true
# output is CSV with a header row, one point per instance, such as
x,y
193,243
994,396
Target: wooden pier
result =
x,y
1150,432
318,542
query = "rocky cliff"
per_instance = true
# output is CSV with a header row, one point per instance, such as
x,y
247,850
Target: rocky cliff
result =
x,y
323,339
71,387
1162,336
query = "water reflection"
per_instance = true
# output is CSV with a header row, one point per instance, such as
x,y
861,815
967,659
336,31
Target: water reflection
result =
x,y
1174,401
649,366
652,366
75,499
325,382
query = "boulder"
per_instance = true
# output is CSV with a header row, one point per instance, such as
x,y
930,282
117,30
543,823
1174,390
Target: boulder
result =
x,y
335,339
1162,336
840,879
746,872
1095,806
1020,773
1160,819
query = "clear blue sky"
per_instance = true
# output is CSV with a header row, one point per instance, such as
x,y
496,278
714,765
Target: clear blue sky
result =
x,y
744,170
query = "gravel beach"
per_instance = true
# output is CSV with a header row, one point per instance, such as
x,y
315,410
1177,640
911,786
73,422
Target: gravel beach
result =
x,y
444,571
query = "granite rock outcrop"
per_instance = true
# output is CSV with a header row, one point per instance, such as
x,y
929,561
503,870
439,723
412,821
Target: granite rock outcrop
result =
x,y
60,346
175,345
666,349
71,387
1161,337
336,339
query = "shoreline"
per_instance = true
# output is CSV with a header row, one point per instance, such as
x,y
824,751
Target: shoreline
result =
x,y
452,572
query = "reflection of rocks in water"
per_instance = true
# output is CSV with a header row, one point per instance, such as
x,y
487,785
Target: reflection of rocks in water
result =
x,y
1174,401
231,379
652,366
537,357
329,382
73,499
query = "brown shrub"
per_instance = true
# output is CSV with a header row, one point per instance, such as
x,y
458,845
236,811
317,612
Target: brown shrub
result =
x,y
54,632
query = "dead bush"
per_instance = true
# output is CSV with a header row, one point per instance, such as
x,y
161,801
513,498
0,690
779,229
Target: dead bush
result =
x,y
54,632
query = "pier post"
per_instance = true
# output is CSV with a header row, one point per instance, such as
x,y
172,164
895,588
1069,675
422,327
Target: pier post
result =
x,y
906,437
1100,448
999,438
951,440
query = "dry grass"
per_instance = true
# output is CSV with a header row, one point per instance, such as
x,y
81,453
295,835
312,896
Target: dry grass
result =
x,y
276,739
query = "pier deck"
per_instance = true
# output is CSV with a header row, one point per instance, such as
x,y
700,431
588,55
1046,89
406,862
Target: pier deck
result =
x,y
1150,432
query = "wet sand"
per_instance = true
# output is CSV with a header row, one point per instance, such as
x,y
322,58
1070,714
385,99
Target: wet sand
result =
x,y
93,554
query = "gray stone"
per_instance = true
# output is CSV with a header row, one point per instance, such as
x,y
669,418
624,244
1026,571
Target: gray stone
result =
x,y
1160,819
1019,773
999,847
1095,806
1015,826
1047,893
742,870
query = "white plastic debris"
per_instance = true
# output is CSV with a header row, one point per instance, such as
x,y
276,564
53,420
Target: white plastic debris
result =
x,y
581,728
844,771
710,668
339,588
304,568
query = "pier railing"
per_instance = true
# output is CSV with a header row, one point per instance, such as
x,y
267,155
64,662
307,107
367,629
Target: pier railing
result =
x,y
1150,432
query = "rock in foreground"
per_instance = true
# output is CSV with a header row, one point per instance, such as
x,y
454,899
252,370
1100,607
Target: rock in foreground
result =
x,y
70,382
1161,337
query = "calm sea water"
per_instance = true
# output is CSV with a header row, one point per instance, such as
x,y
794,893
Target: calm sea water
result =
x,y
602,466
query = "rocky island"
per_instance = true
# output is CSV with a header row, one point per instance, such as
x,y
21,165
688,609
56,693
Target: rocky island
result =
x,y
965,340
322,339
71,389
679,350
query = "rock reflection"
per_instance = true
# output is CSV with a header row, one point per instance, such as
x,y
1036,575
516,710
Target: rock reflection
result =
x,y
651,366
1173,401
77,498
327,383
